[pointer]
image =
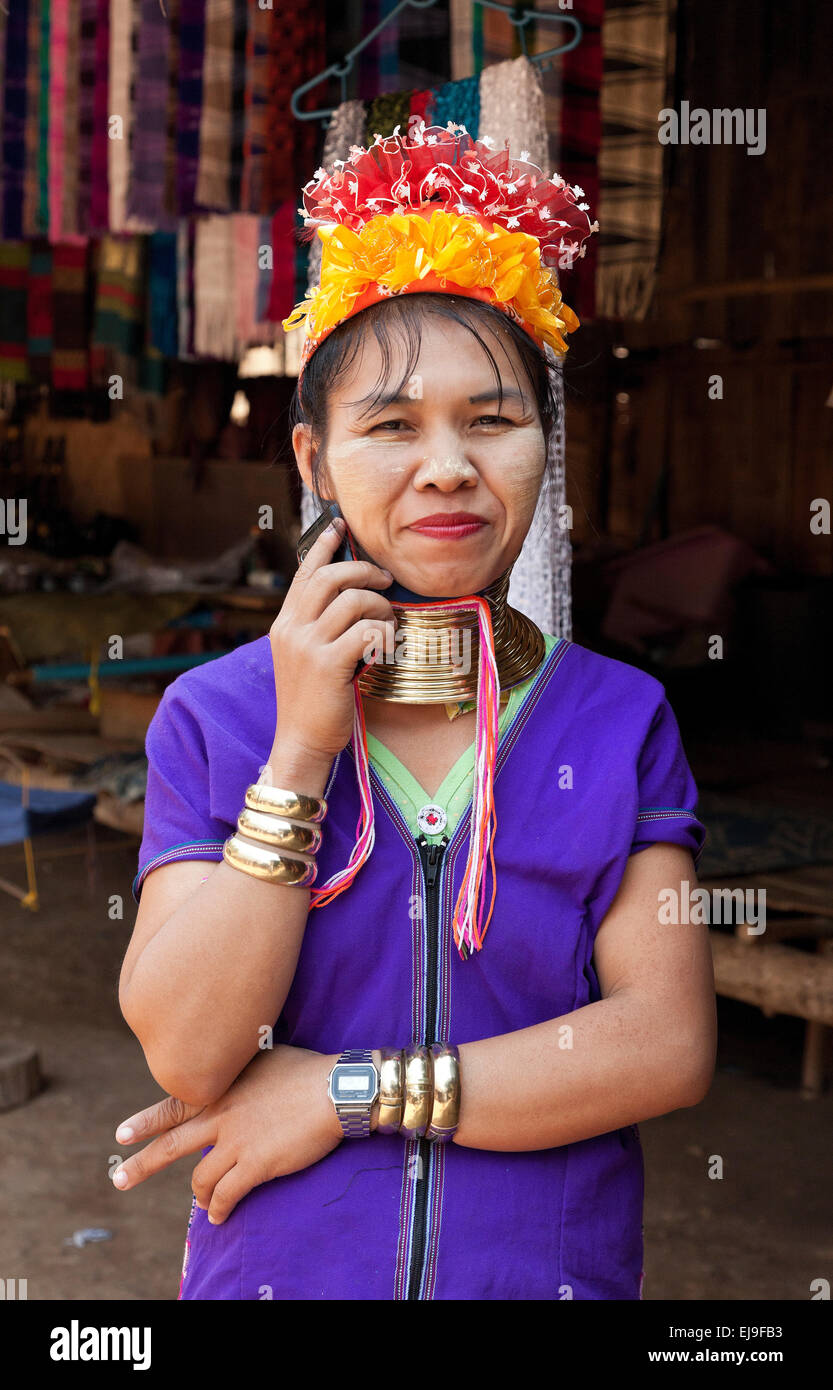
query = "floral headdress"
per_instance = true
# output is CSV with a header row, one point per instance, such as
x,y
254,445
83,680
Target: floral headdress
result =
x,y
438,210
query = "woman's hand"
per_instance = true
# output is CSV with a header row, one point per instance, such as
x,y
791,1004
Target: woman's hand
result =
x,y
276,1118
327,621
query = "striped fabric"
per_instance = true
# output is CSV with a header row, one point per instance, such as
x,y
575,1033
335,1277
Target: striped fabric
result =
x,y
39,311
100,143
146,182
261,33
118,316
214,171
56,106
14,118
68,221
31,133
86,96
636,51
189,102
70,362
14,272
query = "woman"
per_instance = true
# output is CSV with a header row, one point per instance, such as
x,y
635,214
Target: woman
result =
x,y
574,1016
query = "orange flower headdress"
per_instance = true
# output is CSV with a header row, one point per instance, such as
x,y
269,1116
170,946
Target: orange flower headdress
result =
x,y
438,210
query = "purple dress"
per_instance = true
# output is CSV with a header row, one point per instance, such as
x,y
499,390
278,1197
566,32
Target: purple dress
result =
x,y
591,770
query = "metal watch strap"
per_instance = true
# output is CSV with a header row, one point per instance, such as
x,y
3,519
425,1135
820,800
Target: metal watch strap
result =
x,y
355,1124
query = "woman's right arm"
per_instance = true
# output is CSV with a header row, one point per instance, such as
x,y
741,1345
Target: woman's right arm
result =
x,y
210,964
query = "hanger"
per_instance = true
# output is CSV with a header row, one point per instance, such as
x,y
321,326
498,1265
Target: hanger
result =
x,y
516,15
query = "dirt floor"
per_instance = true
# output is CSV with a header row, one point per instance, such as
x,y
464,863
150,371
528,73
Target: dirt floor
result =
x,y
762,1231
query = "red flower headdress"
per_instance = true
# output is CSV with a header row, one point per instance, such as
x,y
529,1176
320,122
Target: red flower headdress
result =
x,y
439,210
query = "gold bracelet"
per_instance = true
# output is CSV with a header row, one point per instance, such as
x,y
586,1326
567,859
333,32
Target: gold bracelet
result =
x,y
445,1113
260,796
271,829
391,1083
418,1091
267,864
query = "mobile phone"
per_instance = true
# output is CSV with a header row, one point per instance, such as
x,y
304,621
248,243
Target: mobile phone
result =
x,y
348,550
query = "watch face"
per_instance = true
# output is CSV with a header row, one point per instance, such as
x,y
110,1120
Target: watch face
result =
x,y
353,1083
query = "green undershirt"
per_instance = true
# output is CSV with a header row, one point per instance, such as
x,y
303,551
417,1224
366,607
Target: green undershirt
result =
x,y
454,793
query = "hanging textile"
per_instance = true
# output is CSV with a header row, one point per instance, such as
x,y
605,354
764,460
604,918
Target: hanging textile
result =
x,y
189,102
32,122
70,359
100,143
14,119
42,205
169,196
636,48
39,312
67,217
185,242
118,314
238,96
14,274
214,169
248,331
214,310
86,96
255,152
59,26
162,293
146,182
123,71
385,113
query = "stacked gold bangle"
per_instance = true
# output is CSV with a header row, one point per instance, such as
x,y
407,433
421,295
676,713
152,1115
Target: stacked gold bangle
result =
x,y
419,1092
277,833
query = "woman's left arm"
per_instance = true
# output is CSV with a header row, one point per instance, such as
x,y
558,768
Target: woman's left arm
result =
x,y
646,1047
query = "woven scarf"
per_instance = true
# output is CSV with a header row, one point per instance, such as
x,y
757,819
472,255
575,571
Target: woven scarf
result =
x,y
264,279
42,212
86,96
282,241
146,180
214,312
14,119
296,53
189,103
59,25
385,113
14,274
162,319
169,197
238,99
214,170
631,161
185,236
118,316
3,23
249,330
39,312
256,98
68,220
119,103
31,138
70,358
100,147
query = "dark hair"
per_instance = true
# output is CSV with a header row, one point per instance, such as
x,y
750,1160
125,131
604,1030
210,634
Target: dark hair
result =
x,y
406,312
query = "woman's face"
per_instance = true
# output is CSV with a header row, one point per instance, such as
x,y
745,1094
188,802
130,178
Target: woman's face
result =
x,y
441,448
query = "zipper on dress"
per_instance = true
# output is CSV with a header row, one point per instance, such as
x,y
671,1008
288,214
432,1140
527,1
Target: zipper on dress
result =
x,y
431,857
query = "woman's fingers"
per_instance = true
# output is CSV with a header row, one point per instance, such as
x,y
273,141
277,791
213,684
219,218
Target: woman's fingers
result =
x,y
208,1173
161,1152
161,1116
229,1191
